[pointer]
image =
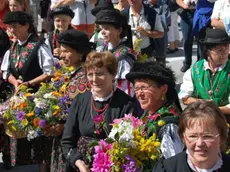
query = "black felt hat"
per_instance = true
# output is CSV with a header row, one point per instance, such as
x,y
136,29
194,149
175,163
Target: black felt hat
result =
x,y
152,71
102,5
216,36
76,39
62,10
17,16
113,17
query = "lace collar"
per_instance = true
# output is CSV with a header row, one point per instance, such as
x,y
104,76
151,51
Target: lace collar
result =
x,y
218,164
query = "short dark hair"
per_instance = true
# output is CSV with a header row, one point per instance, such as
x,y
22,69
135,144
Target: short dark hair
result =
x,y
102,59
204,110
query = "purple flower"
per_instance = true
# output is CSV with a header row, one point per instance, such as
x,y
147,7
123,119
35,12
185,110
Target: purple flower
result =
x,y
38,111
42,123
63,99
57,65
20,115
57,84
130,165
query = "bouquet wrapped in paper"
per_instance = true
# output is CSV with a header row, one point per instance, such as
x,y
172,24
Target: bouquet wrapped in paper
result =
x,y
127,148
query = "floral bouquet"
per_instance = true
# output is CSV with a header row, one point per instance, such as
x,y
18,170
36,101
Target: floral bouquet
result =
x,y
127,148
137,48
31,113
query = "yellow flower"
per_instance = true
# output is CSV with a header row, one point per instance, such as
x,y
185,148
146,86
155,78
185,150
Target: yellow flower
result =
x,y
30,114
13,127
71,68
28,94
161,123
10,122
55,93
25,122
63,88
55,112
157,144
56,107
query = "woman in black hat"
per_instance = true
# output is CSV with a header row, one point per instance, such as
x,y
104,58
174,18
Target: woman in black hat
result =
x,y
29,62
114,29
209,79
62,17
104,100
154,87
74,47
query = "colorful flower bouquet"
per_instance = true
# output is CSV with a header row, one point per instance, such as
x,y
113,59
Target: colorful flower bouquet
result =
x,y
127,149
30,113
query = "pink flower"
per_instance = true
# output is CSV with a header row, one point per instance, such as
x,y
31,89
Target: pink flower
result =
x,y
136,121
29,46
101,162
97,119
154,117
24,54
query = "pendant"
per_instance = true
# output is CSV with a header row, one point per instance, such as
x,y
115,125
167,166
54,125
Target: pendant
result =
x,y
210,92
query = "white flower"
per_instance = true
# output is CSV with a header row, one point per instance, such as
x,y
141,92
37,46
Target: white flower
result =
x,y
41,103
31,135
49,96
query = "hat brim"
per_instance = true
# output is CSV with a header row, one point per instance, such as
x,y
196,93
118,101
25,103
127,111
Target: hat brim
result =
x,y
131,76
52,14
211,41
18,21
83,47
96,10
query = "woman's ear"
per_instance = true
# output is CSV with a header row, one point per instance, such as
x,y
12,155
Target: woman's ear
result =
x,y
164,88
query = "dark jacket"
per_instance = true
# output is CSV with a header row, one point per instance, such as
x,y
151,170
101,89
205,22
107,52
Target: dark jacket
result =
x,y
178,163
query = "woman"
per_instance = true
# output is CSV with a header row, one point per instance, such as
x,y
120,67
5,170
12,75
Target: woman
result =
x,y
203,128
154,87
74,47
3,10
114,28
29,63
62,17
102,100
5,88
19,5
208,79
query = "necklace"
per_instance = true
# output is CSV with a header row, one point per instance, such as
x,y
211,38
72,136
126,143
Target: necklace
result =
x,y
100,110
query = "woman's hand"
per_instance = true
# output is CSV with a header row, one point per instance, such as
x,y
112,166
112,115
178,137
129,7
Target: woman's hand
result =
x,y
82,166
17,84
142,31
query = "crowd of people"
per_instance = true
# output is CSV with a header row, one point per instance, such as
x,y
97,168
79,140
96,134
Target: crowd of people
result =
x,y
118,55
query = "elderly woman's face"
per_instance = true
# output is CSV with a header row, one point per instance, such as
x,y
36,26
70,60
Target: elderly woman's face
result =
x,y
69,56
62,22
219,54
149,94
100,80
110,33
202,140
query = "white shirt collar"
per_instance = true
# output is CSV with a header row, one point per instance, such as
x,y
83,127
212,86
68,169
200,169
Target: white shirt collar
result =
x,y
218,164
132,13
104,98
206,66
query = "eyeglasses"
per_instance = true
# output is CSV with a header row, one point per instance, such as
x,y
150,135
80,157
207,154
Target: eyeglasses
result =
x,y
193,137
142,88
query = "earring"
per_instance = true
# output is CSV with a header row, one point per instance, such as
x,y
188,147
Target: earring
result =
x,y
162,98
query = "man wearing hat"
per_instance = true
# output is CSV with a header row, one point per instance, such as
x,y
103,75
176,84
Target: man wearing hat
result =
x,y
209,79
29,62
62,17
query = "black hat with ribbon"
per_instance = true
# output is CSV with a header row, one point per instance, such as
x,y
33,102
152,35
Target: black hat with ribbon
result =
x,y
75,39
62,11
102,5
215,36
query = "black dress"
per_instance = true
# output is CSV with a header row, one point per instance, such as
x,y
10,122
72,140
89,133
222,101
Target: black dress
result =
x,y
178,163
80,122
